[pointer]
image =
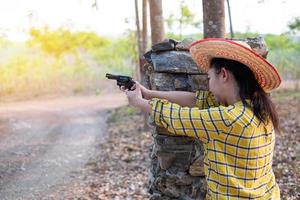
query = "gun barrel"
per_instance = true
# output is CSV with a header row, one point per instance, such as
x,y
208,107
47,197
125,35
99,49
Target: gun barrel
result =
x,y
111,76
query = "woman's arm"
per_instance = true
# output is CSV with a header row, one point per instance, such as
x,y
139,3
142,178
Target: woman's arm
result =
x,y
193,122
179,97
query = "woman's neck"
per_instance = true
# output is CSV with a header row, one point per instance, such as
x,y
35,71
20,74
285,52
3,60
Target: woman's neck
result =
x,y
232,95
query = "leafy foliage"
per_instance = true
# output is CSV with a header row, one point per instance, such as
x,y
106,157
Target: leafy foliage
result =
x,y
120,56
186,19
284,51
4,42
294,25
63,41
63,61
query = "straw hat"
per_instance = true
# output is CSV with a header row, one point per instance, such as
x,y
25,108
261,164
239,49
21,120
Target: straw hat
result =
x,y
204,50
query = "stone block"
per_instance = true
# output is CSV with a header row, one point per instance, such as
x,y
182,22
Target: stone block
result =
x,y
198,82
197,167
174,62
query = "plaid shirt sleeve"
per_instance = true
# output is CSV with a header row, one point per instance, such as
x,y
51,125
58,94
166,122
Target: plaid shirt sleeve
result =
x,y
204,124
205,99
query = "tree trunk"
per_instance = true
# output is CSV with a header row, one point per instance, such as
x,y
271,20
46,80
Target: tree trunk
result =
x,y
213,18
145,27
143,51
230,20
142,46
139,39
157,21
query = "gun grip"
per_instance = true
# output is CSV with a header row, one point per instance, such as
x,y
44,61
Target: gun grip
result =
x,y
130,85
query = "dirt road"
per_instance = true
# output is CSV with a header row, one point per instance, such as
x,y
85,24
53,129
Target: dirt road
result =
x,y
44,143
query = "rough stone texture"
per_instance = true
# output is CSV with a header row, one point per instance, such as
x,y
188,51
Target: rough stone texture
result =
x,y
177,162
174,62
257,44
185,44
179,82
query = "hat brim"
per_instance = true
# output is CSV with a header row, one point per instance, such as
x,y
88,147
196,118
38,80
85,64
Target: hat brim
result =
x,y
203,51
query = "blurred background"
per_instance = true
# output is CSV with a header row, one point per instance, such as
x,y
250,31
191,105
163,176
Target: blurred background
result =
x,y
60,117
66,47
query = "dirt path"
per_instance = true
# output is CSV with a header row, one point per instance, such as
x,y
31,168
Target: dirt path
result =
x,y
44,143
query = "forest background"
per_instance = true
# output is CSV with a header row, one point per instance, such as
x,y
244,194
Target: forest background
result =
x,y
65,61
52,63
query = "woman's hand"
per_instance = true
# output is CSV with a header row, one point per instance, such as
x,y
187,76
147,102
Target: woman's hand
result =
x,y
146,93
135,98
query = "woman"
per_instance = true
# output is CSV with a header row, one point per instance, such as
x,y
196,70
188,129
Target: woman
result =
x,y
235,120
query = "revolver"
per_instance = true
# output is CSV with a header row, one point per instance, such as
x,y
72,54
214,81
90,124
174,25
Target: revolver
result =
x,y
125,81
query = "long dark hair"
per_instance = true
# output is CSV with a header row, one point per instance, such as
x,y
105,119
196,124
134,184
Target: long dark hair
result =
x,y
261,104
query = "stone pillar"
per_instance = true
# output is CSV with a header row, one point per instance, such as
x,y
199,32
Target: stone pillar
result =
x,y
176,161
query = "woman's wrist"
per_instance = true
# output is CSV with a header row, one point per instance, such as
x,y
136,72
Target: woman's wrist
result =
x,y
144,105
147,94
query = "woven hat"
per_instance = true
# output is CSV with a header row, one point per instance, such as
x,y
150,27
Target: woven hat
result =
x,y
203,51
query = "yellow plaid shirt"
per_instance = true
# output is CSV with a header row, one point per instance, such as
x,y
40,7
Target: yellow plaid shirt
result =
x,y
238,146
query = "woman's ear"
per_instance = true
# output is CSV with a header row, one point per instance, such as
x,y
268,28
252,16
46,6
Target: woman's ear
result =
x,y
224,74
